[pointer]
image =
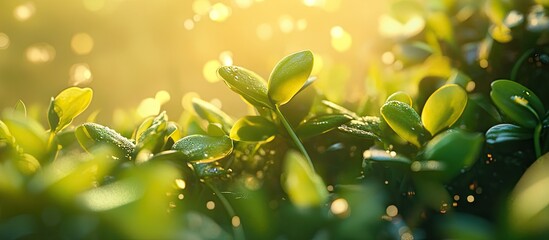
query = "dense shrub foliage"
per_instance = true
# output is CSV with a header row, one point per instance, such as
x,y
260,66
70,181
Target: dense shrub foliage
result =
x,y
452,142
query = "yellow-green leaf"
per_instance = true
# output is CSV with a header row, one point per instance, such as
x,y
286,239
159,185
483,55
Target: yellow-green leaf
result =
x,y
253,129
247,84
321,124
93,135
304,187
211,113
289,76
405,121
67,105
443,108
401,97
204,148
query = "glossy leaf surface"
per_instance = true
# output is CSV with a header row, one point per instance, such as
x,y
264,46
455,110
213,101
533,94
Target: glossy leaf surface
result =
x,y
203,148
68,104
443,108
405,121
321,124
517,102
289,76
507,133
247,84
91,135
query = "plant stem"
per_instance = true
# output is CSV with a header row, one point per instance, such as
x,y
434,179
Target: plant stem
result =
x,y
519,63
537,136
294,137
237,231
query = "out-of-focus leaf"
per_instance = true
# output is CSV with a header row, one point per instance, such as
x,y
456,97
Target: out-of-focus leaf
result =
x,y
321,124
405,121
304,187
67,105
300,106
441,25
365,127
247,84
501,33
412,53
27,164
459,78
401,97
28,134
339,109
212,114
208,170
507,133
200,226
92,135
443,108
386,157
466,226
289,76
455,149
253,129
111,196
20,108
216,130
538,21
529,201
203,148
517,102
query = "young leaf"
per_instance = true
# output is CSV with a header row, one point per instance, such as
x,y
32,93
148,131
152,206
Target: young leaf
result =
x,y
304,187
67,105
455,149
517,102
203,148
91,135
253,129
443,108
28,134
506,133
289,76
401,97
211,113
321,124
366,127
405,121
247,84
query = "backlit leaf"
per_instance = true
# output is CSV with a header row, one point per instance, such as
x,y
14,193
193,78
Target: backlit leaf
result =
x,y
304,187
443,108
507,132
247,84
92,135
68,104
405,121
203,148
401,97
212,113
289,76
253,129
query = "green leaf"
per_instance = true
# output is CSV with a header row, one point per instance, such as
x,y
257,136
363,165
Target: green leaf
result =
x,y
401,97
304,187
443,108
203,148
507,133
405,121
67,105
289,76
365,127
253,129
517,102
455,150
20,108
212,114
529,200
321,124
247,84
28,134
412,53
208,170
92,135
151,135
386,157
459,78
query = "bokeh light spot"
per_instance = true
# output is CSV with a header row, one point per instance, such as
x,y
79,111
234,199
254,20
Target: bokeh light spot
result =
x,y
341,40
82,43
188,24
392,211
286,23
210,205
162,96
209,71
40,53
226,58
244,3
201,7
340,207
80,74
148,107
4,41
219,12
24,11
